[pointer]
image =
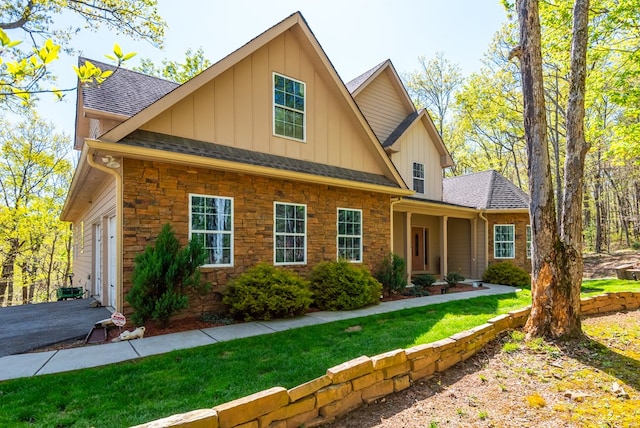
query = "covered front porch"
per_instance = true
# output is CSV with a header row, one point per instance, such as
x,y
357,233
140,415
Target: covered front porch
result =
x,y
438,238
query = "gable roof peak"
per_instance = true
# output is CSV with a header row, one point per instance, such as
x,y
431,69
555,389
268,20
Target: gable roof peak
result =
x,y
358,81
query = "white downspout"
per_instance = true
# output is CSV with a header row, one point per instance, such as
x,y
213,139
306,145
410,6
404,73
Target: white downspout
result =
x,y
119,228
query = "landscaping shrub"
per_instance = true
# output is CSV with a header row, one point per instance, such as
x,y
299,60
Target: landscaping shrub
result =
x,y
392,274
162,276
506,273
343,286
425,280
452,278
265,292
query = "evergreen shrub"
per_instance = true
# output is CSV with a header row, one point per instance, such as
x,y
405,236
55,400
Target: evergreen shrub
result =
x,y
340,285
392,274
162,277
506,273
265,292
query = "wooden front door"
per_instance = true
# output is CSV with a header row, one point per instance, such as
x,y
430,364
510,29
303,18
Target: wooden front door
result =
x,y
419,243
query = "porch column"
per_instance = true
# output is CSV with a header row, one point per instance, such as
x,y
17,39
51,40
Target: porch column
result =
x,y
444,246
474,248
409,250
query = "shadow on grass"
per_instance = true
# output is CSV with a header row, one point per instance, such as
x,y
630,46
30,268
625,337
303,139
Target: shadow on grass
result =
x,y
601,357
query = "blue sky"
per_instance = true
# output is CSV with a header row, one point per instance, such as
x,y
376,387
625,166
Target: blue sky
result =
x,y
355,34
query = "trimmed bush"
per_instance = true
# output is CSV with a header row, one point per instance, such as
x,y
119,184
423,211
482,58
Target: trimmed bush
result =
x,y
506,273
392,274
424,280
341,286
162,277
452,278
265,292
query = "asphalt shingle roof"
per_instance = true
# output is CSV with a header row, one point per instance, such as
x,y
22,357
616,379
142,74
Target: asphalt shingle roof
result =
x,y
188,146
126,92
487,190
354,84
404,125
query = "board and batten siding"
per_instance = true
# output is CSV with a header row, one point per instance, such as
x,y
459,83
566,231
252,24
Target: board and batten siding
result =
x,y
382,106
236,109
103,205
459,246
415,145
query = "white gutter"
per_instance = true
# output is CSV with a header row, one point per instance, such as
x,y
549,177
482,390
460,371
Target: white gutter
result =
x,y
119,228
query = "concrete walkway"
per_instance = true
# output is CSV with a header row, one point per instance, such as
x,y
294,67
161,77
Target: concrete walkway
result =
x,y
40,363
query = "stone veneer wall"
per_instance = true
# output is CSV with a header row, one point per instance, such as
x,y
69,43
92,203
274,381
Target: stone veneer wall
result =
x,y
155,193
365,379
520,221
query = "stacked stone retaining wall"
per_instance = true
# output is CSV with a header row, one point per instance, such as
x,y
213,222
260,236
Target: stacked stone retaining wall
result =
x,y
366,379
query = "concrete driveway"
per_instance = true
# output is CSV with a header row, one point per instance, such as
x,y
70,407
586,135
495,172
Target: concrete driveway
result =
x,y
27,327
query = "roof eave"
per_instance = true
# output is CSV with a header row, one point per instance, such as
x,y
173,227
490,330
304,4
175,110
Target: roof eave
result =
x,y
146,153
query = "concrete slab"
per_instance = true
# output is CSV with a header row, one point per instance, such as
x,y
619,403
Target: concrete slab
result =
x,y
170,342
89,356
23,365
290,323
237,331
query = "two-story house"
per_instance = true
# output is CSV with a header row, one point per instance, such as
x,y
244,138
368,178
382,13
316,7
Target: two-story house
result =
x,y
266,156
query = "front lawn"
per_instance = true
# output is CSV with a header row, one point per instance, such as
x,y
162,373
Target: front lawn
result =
x,y
139,391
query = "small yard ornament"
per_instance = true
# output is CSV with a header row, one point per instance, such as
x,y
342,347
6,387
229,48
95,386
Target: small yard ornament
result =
x,y
138,333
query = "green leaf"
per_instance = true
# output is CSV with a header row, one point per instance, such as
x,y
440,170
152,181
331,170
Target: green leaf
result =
x,y
117,51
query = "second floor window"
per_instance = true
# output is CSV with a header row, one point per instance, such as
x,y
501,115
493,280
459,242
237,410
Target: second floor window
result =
x,y
418,177
288,107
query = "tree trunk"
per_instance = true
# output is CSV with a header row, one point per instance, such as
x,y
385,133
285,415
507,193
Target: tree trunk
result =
x,y
544,234
8,269
556,263
571,229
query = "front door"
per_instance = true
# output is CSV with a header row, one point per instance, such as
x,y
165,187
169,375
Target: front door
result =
x,y
111,249
419,243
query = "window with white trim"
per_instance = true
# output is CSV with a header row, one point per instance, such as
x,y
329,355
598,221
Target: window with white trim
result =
x,y
211,224
290,233
504,242
350,234
528,241
288,107
418,177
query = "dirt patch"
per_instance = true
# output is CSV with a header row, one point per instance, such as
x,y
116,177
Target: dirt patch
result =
x,y
593,381
603,265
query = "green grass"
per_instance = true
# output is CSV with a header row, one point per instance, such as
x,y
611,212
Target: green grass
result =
x,y
150,388
593,287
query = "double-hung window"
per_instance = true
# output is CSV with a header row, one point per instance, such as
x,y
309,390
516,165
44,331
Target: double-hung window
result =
x,y
350,234
290,234
528,241
504,242
288,107
211,224
418,177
